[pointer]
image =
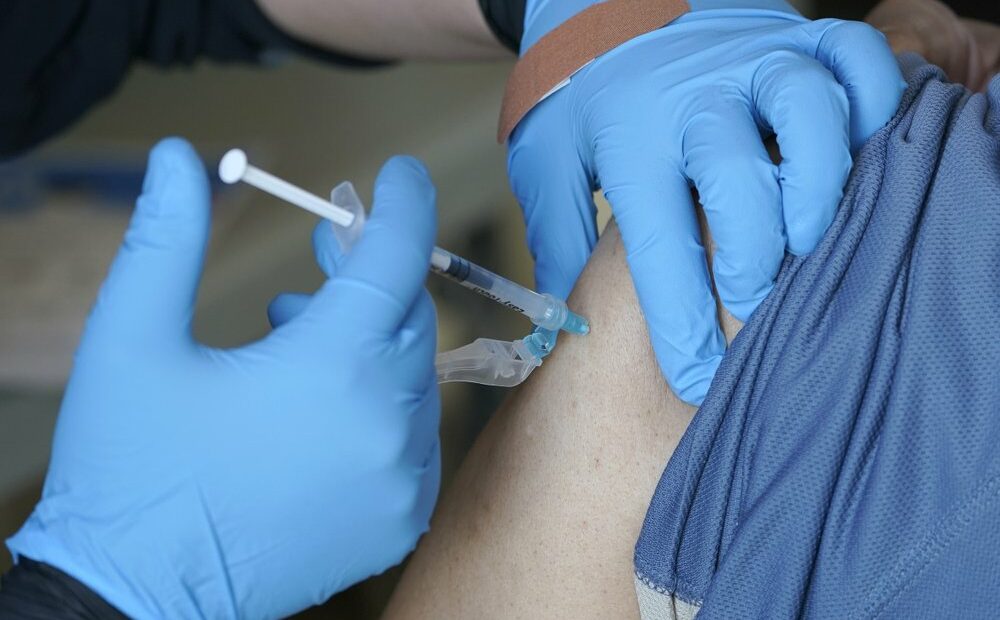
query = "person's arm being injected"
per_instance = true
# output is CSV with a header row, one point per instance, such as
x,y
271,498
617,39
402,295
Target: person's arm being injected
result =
x,y
687,103
684,104
189,481
690,104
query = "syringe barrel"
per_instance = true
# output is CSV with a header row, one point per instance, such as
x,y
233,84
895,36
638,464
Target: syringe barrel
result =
x,y
543,310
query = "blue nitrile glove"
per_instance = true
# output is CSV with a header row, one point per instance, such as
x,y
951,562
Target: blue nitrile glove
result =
x,y
689,104
188,481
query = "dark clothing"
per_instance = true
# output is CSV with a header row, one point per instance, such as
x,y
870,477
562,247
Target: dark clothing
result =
x,y
57,59
506,20
36,591
976,9
988,10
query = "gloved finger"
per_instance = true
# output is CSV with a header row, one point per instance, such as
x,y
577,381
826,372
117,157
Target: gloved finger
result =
x,y
660,232
414,346
412,427
379,281
285,307
424,432
151,286
326,248
555,191
862,62
738,185
428,489
421,452
807,109
412,497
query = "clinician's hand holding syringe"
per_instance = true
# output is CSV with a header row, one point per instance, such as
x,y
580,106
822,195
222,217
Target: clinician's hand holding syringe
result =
x,y
545,311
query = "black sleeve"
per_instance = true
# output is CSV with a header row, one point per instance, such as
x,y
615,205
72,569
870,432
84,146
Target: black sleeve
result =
x,y
506,20
36,591
58,58
988,11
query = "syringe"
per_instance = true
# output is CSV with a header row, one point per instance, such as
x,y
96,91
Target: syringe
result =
x,y
545,311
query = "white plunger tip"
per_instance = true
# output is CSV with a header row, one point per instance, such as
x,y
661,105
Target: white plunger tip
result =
x,y
233,166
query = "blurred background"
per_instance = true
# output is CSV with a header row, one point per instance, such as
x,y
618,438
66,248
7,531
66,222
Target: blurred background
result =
x,y
64,207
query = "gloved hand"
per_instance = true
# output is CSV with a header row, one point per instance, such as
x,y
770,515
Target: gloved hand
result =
x,y
689,104
187,481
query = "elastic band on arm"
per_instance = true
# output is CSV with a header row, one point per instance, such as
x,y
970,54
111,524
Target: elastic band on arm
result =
x,y
582,38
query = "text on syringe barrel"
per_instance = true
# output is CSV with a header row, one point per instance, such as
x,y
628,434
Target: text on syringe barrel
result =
x,y
497,288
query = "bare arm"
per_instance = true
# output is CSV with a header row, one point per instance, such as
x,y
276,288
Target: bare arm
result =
x,y
968,50
544,513
390,29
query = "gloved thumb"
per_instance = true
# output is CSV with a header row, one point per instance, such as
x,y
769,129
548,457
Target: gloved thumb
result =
x,y
556,195
149,293
285,307
860,59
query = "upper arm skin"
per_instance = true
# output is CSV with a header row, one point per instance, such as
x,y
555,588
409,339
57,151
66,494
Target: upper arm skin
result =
x,y
390,29
542,518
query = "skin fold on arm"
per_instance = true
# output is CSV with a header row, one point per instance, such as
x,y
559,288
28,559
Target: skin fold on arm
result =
x,y
543,516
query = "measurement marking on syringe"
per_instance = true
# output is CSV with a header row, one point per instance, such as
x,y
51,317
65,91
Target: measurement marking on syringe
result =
x,y
451,275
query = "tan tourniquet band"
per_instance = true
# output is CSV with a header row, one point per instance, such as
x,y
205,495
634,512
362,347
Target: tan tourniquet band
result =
x,y
559,54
